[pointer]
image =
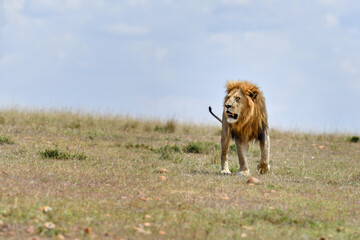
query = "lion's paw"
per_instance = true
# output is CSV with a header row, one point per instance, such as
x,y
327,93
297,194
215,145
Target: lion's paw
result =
x,y
263,168
245,173
225,172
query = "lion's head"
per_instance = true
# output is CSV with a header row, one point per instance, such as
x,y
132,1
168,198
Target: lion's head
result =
x,y
244,108
239,101
235,102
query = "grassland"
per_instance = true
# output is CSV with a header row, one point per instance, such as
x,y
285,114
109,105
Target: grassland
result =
x,y
69,175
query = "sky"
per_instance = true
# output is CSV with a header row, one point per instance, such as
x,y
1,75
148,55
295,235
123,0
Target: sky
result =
x,y
171,59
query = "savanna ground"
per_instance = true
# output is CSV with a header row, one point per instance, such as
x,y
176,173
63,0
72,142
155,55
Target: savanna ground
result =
x,y
68,175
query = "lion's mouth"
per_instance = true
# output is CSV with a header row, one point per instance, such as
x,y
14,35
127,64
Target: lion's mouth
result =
x,y
232,115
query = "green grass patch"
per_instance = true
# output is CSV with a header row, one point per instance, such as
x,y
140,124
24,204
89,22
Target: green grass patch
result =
x,y
168,148
6,140
58,154
232,148
137,145
233,169
168,152
201,147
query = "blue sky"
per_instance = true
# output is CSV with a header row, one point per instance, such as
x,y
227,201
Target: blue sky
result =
x,y
171,59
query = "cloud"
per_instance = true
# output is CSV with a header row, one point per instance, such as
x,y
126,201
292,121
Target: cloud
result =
x,y
56,5
13,5
237,2
331,3
349,67
126,29
8,59
73,3
332,20
61,55
71,38
137,3
253,43
161,53
148,50
12,12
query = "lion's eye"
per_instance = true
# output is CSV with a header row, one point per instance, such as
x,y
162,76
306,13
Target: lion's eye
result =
x,y
237,99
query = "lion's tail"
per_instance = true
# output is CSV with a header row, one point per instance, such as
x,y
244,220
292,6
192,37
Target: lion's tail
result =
x,y
214,114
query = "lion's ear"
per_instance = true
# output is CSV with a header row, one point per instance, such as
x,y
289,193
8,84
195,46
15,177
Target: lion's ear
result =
x,y
253,94
250,90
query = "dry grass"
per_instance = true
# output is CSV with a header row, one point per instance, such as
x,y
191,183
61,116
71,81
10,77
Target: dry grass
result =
x,y
116,192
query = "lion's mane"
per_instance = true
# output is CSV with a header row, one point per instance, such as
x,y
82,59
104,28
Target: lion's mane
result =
x,y
253,120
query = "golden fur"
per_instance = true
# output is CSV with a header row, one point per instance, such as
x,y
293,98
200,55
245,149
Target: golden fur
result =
x,y
244,119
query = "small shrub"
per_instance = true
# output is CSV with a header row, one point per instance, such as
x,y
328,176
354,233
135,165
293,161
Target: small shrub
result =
x,y
353,139
167,151
57,154
169,127
5,140
199,147
193,147
137,145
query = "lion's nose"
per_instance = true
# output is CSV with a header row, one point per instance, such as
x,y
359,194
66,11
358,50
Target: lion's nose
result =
x,y
228,106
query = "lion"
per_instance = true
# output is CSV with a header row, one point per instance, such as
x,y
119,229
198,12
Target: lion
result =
x,y
244,119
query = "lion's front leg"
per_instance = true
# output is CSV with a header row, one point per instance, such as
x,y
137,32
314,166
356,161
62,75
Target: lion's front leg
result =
x,y
264,166
224,157
242,149
225,140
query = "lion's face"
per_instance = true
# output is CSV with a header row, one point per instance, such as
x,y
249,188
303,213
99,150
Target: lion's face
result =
x,y
235,102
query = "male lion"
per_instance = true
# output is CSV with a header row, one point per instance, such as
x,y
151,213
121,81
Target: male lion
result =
x,y
244,119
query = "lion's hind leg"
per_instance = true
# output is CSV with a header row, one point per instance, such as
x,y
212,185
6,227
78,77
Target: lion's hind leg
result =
x,y
264,166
